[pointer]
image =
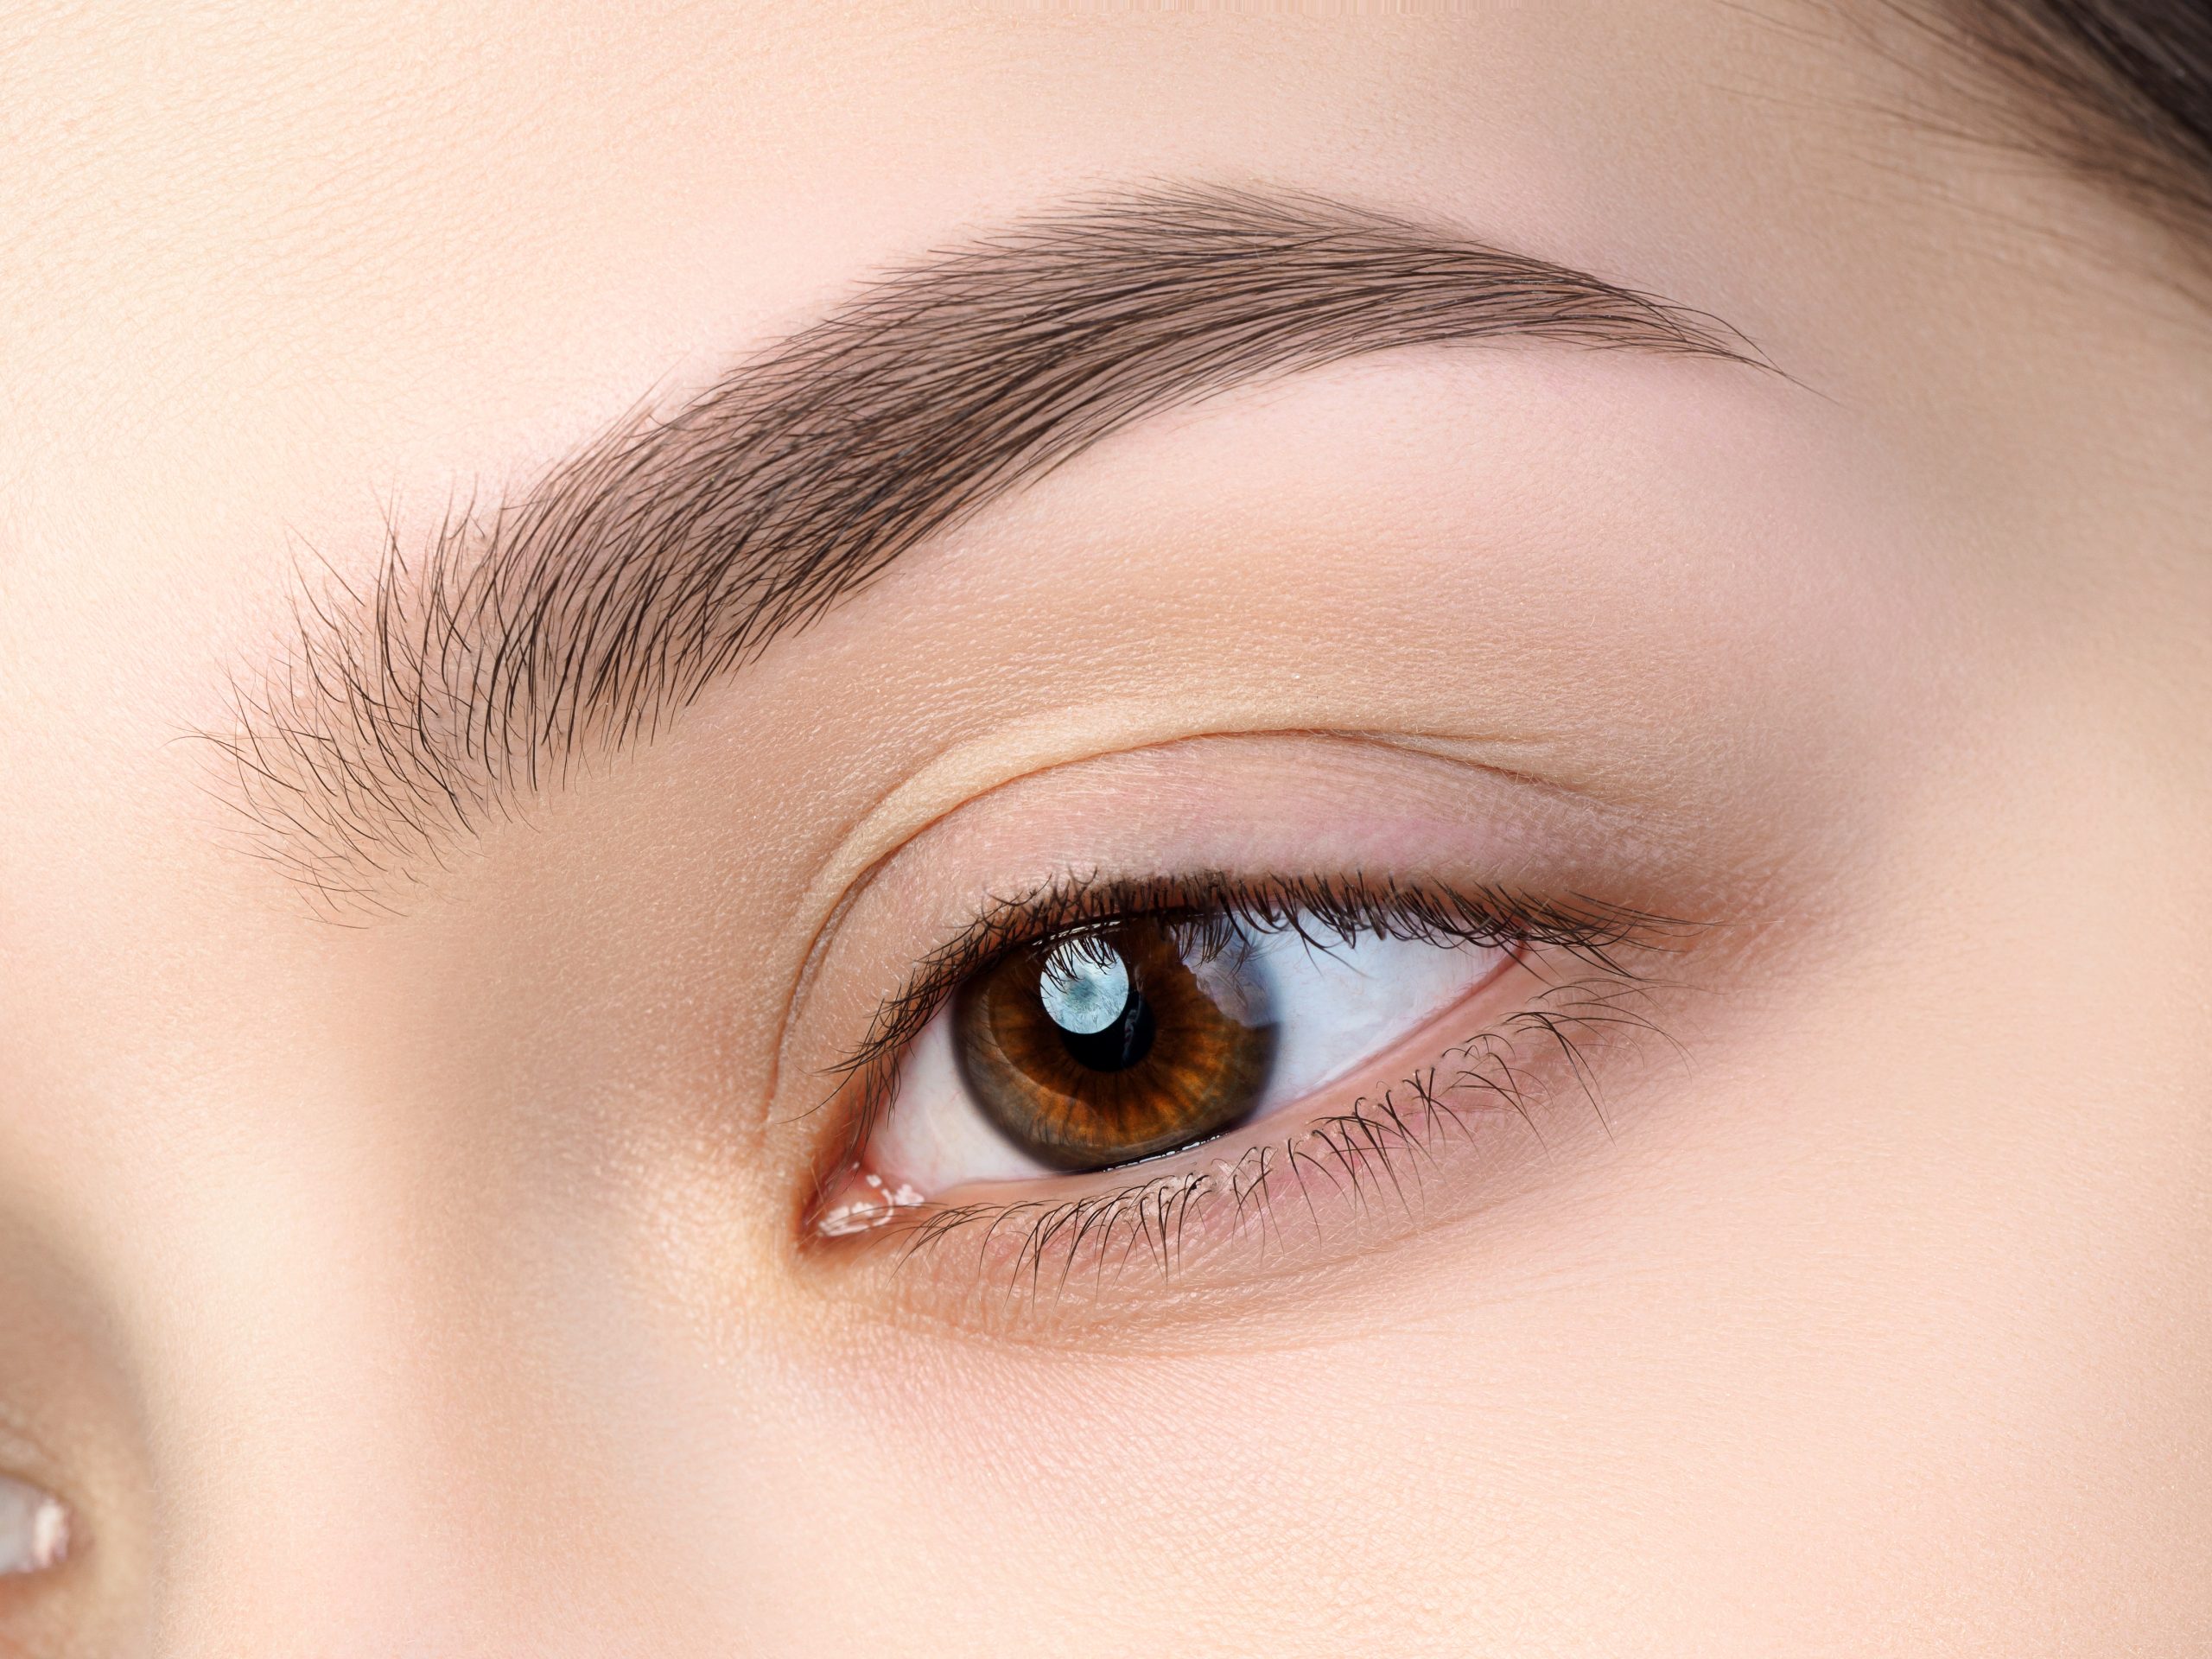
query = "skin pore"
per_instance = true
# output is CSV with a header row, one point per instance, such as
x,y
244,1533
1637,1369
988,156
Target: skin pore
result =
x,y
412,1130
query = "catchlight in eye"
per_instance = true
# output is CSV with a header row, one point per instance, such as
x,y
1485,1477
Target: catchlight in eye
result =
x,y
1118,1042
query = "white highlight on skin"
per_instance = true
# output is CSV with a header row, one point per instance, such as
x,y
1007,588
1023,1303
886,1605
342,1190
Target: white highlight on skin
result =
x,y
34,1528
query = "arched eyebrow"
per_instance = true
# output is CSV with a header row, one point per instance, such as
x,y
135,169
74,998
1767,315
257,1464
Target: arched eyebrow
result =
x,y
586,614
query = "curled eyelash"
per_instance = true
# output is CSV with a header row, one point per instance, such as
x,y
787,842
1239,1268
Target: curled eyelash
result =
x,y
1379,1152
1216,906
1213,909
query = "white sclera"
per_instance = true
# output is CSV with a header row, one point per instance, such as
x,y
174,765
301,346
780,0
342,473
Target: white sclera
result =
x,y
1340,1004
33,1527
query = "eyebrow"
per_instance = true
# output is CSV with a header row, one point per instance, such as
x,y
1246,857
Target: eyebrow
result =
x,y
586,614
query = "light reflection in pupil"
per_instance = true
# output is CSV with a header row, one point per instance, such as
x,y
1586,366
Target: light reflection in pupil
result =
x,y
1121,1045
1085,986
1103,1020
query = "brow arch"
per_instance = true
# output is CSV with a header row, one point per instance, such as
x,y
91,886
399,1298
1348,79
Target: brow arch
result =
x,y
582,615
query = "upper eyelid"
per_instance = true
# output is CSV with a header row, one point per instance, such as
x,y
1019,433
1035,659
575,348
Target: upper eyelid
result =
x,y
1594,929
1268,904
950,784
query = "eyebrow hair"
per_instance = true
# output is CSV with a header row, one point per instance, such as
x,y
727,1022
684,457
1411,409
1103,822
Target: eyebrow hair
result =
x,y
586,614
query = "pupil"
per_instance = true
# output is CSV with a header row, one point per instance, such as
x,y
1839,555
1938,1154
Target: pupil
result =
x,y
1121,1045
1085,985
1104,1021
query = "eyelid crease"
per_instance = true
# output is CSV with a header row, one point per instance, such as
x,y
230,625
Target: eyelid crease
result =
x,y
1477,751
964,773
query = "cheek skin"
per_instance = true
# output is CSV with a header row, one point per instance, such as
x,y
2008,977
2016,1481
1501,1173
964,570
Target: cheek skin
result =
x,y
1848,1308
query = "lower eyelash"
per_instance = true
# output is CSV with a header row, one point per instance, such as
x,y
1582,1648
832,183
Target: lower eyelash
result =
x,y
1379,1152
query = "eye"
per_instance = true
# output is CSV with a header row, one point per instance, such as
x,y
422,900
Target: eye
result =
x,y
34,1528
1106,1042
1110,1044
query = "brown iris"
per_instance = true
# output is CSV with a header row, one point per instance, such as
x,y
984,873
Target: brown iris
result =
x,y
1110,1044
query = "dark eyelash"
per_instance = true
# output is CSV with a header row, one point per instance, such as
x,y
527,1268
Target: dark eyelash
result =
x,y
1317,909
1320,910
1377,1152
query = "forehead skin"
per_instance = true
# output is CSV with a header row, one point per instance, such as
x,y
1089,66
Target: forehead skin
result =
x,y
279,279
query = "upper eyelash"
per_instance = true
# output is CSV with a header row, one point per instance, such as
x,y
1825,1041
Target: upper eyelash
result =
x,y
1375,1147
1345,908
1339,908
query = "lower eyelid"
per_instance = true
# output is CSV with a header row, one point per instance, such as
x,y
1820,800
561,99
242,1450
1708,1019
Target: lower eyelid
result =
x,y
1317,1165
928,1147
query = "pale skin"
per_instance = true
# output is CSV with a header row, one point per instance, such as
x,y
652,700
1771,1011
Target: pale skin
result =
x,y
434,1274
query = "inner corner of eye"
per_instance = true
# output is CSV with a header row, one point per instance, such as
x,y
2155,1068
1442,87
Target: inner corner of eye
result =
x,y
1134,1038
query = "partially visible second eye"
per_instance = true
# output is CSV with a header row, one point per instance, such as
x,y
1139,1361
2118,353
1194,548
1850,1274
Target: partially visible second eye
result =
x,y
34,1528
1128,1039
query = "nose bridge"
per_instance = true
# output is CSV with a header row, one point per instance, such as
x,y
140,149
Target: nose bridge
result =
x,y
349,1436
358,1381
303,1502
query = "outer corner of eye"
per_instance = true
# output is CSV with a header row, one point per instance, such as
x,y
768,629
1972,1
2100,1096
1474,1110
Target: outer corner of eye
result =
x,y
35,1528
